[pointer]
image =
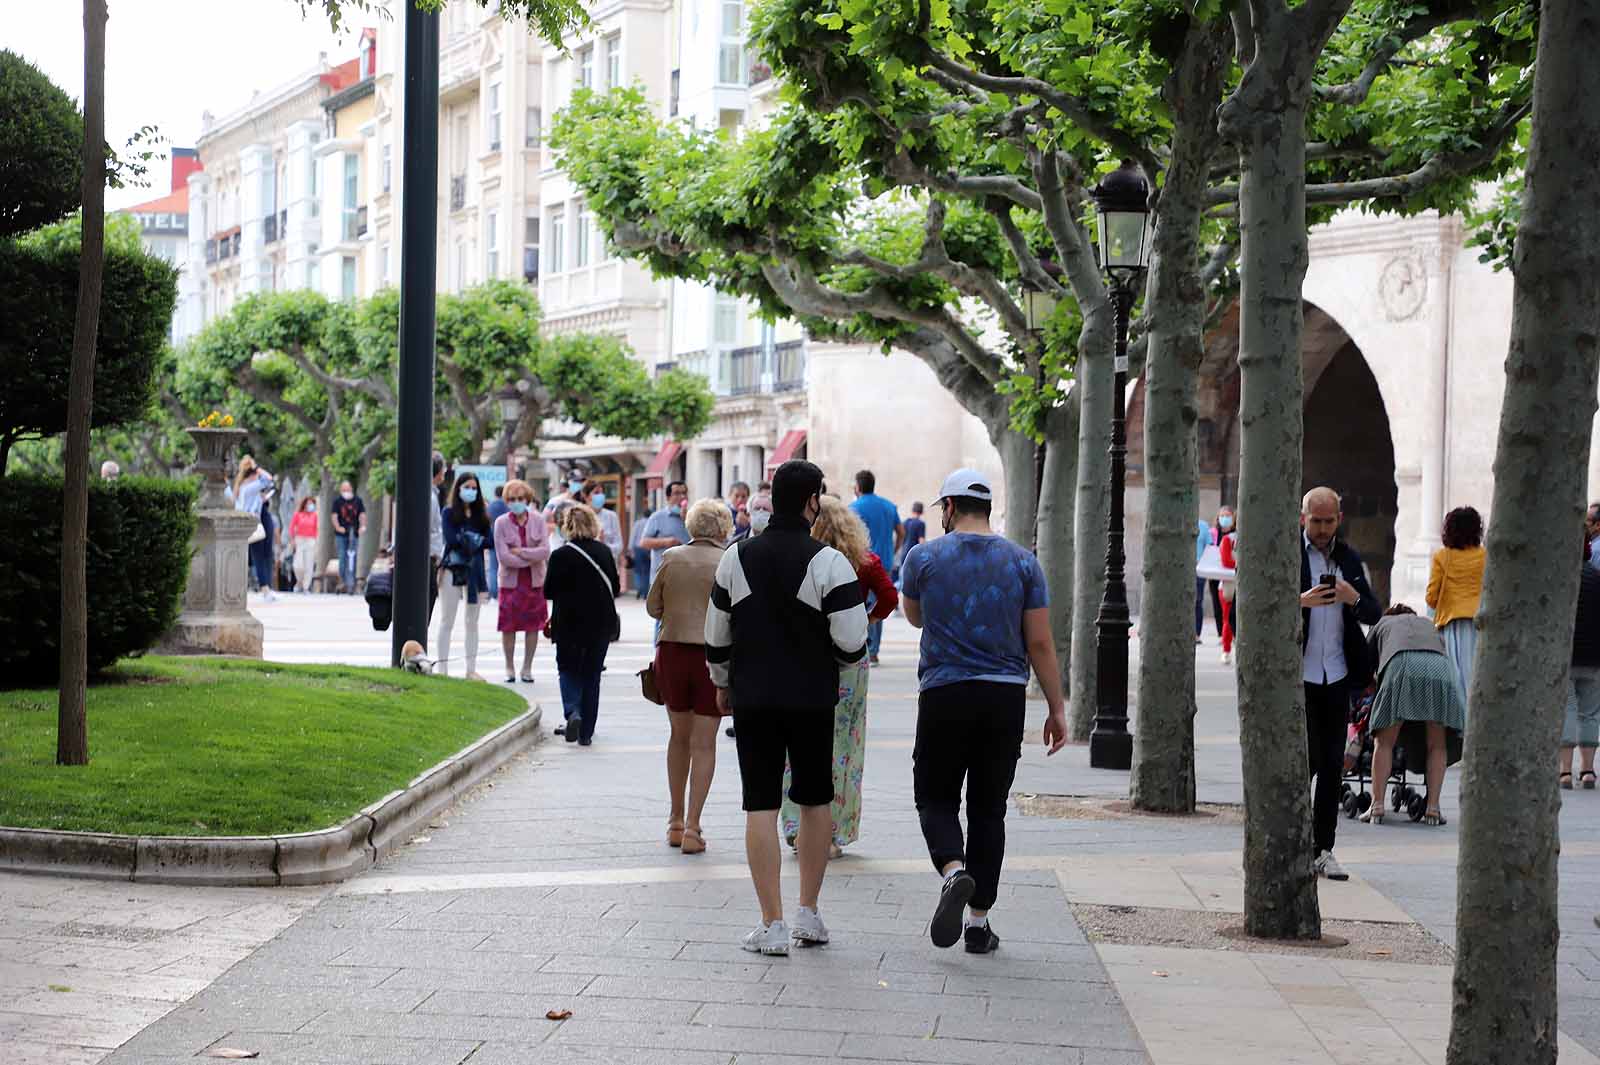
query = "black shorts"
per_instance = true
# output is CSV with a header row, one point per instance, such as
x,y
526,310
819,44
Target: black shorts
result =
x,y
766,737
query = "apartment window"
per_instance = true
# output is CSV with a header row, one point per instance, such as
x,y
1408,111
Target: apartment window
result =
x,y
530,248
725,324
730,63
460,143
535,128
586,66
494,116
613,61
672,100
491,244
316,180
347,277
314,274
583,237
352,195
383,263
558,238
461,265
388,167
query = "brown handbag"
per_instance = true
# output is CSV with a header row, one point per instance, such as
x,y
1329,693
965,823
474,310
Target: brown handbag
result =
x,y
648,686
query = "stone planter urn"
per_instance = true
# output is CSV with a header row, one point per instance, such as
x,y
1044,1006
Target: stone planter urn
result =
x,y
215,619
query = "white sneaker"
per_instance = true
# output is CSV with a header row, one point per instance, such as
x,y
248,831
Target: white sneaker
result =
x,y
770,939
809,929
268,596
1327,865
1227,658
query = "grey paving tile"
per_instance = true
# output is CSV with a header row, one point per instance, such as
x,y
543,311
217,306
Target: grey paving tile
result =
x,y
817,1018
692,1037
874,1047
1111,1031
339,1049
678,967
520,982
514,1054
682,990
873,999
419,1025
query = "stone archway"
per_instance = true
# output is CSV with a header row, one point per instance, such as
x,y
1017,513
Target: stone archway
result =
x,y
1348,443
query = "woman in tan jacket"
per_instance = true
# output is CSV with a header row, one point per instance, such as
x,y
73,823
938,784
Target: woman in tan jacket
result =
x,y
680,591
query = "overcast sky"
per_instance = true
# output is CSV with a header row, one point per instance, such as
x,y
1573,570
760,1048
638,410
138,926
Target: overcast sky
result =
x,y
169,60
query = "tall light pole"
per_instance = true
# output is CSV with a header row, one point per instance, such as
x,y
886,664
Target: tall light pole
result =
x,y
1123,213
419,250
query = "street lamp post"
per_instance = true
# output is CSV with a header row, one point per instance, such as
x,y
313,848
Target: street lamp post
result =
x,y
419,213
1122,207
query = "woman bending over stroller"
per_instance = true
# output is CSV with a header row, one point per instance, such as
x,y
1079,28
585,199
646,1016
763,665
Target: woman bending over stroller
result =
x,y
1418,693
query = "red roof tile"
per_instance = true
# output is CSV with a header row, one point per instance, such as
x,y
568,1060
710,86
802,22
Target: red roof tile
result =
x,y
175,202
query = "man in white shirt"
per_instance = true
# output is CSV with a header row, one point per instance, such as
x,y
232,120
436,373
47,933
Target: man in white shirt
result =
x,y
1335,601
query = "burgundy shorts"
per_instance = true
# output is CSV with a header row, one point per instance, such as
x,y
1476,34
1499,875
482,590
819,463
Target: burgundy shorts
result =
x,y
683,679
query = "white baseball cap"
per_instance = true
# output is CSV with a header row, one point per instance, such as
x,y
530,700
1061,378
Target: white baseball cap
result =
x,y
966,482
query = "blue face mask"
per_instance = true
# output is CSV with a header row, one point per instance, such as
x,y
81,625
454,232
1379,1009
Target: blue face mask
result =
x,y
518,507
1225,522
468,495
597,500
575,487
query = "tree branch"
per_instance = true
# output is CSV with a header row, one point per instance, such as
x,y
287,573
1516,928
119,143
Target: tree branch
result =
x,y
1436,169
1357,91
1076,111
904,170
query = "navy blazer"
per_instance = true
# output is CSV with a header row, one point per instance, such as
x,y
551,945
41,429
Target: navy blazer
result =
x,y
1366,611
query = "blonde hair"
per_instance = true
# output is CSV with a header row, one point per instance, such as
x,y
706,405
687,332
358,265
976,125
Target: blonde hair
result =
x,y
516,486
578,522
709,519
247,466
839,528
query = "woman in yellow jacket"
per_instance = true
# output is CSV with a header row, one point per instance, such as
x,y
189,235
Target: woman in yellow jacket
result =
x,y
1455,584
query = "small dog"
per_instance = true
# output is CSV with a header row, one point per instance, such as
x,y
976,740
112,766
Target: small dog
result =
x,y
413,659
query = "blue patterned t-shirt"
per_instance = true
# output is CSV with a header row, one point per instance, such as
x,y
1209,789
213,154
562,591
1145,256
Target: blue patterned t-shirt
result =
x,y
973,590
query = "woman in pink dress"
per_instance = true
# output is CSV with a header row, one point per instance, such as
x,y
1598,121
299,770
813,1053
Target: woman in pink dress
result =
x,y
523,545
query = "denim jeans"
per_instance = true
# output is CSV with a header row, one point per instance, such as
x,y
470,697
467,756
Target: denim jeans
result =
x,y
641,571
578,668
348,544
491,570
874,638
968,733
1582,726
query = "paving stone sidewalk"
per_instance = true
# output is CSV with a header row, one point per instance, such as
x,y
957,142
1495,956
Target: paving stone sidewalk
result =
x,y
552,889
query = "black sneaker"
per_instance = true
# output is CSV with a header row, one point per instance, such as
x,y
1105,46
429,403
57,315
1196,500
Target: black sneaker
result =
x,y
585,743
570,730
981,940
945,928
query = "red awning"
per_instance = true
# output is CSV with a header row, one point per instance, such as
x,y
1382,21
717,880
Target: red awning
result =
x,y
663,460
792,442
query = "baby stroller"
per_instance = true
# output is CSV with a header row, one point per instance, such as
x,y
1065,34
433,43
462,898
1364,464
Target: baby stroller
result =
x,y
1355,798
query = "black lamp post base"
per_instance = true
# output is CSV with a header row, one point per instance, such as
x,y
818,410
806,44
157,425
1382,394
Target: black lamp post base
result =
x,y
1110,750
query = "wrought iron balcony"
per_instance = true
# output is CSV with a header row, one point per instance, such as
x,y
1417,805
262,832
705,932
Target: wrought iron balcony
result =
x,y
789,366
361,221
530,264
741,371
458,192
269,229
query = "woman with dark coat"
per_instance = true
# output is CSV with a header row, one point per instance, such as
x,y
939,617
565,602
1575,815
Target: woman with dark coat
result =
x,y
581,582
465,521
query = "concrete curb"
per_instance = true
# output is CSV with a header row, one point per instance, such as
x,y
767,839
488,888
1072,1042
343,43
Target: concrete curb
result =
x,y
322,857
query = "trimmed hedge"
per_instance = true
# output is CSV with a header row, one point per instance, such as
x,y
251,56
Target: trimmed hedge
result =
x,y
38,308
140,530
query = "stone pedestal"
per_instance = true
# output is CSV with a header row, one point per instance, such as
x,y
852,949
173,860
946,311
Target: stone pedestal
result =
x,y
214,618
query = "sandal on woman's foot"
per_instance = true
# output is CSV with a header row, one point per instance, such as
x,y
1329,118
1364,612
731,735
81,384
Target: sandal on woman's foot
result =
x,y
693,841
1587,778
674,833
1373,815
527,678
835,851
1434,817
1566,781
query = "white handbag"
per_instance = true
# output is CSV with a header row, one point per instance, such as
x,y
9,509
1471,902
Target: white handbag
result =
x,y
1210,565
257,535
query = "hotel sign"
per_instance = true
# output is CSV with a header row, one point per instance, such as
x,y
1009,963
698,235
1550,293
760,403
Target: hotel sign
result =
x,y
158,222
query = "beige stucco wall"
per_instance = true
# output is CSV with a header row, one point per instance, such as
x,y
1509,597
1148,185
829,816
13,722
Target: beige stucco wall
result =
x,y
889,414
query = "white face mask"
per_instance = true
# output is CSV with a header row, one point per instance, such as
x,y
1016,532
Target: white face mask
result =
x,y
759,519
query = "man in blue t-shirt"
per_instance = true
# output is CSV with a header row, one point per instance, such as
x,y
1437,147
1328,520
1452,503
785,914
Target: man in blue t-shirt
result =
x,y
884,532
983,607
916,531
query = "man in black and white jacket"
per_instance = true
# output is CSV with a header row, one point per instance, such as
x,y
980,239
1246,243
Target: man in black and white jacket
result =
x,y
786,611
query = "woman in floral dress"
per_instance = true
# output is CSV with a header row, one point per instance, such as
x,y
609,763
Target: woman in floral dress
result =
x,y
522,544
840,529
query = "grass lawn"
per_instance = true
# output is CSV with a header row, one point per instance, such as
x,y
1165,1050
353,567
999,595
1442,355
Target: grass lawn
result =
x,y
195,747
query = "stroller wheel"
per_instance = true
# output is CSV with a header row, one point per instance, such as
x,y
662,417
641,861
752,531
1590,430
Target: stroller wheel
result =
x,y
1345,791
1348,805
1363,802
1397,798
1416,806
